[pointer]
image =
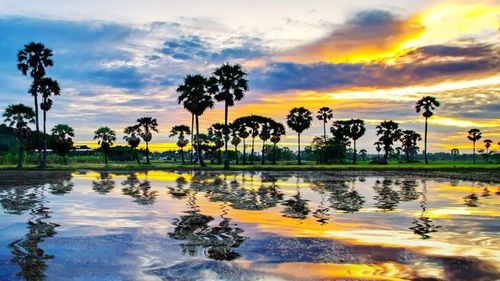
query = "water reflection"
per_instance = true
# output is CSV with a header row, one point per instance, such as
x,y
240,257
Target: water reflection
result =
x,y
341,226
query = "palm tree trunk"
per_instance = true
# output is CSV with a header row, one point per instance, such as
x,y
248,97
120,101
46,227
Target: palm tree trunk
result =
x,y
324,129
136,156
354,153
386,153
262,161
20,163
251,154
236,150
192,136
298,154
105,158
147,153
198,143
244,152
226,136
274,153
182,156
474,152
425,143
44,138
39,144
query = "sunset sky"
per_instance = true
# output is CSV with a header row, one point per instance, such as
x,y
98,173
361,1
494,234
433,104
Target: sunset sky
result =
x,y
369,59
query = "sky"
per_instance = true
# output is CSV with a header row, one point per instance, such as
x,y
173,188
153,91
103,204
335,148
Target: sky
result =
x,y
117,61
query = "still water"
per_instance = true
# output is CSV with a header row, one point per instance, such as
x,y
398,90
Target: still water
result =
x,y
246,226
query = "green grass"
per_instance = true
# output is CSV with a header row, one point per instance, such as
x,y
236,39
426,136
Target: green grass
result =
x,y
362,166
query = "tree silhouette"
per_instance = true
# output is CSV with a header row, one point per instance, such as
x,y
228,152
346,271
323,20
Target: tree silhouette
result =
x,y
47,88
33,59
18,117
409,140
196,100
240,128
104,183
228,84
62,136
265,135
487,144
106,137
378,147
389,132
363,154
133,139
216,135
147,125
426,105
299,119
235,140
181,131
277,130
355,130
324,114
474,135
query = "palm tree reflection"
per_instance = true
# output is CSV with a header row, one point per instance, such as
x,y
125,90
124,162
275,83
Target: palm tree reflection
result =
x,y
140,191
345,198
423,225
61,186
104,183
386,199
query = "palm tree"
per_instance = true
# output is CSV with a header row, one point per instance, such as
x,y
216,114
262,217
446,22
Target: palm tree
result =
x,y
253,123
265,135
378,148
195,99
278,130
240,125
63,135
216,134
363,153
474,135
487,145
355,130
147,125
389,132
181,131
426,105
325,114
299,119
228,84
34,58
133,139
106,137
236,140
18,117
409,140
47,88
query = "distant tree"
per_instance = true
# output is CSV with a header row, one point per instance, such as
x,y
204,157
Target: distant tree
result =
x,y
147,125
105,138
240,127
62,138
228,84
252,122
474,135
34,58
277,130
299,119
363,154
389,133
133,139
196,100
409,140
324,114
47,88
180,131
216,136
355,130
426,105
378,147
18,117
235,140
487,144
265,135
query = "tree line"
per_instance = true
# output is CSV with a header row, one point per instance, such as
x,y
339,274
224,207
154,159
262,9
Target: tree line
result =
x,y
197,94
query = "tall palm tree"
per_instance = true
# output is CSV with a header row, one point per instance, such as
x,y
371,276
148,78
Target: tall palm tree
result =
x,y
33,59
133,139
355,130
195,99
47,87
181,131
299,119
192,139
426,105
389,132
105,138
18,117
325,114
63,135
278,130
147,125
474,135
228,84
265,135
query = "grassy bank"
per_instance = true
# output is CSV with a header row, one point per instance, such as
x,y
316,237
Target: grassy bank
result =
x,y
363,166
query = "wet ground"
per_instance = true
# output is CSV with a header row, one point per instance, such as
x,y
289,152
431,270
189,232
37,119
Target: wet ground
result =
x,y
246,226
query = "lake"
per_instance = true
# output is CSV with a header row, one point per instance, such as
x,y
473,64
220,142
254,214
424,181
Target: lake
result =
x,y
209,225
